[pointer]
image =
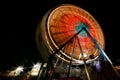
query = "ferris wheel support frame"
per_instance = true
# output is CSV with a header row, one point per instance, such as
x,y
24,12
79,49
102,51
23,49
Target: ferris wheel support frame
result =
x,y
50,64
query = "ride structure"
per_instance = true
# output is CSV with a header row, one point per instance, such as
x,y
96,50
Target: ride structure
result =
x,y
69,37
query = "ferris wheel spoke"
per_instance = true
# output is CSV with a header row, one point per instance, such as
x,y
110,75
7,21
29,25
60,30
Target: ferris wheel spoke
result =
x,y
58,33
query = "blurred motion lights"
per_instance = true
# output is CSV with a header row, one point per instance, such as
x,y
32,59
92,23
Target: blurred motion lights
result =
x,y
16,72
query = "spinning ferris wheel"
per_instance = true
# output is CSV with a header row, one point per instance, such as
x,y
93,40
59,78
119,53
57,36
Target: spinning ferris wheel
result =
x,y
72,35
62,23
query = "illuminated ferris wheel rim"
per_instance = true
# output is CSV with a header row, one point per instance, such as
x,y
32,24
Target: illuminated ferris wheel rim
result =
x,y
48,39
66,6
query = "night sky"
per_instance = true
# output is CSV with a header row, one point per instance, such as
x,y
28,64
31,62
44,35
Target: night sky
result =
x,y
19,21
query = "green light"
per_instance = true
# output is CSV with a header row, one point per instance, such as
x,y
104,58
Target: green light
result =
x,y
79,26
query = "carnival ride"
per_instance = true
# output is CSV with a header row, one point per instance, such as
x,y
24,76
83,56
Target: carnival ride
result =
x,y
70,36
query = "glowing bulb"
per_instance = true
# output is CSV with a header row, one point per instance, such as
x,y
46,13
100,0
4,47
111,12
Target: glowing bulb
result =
x,y
83,56
35,69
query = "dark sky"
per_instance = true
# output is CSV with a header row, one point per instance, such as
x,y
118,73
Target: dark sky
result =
x,y
19,21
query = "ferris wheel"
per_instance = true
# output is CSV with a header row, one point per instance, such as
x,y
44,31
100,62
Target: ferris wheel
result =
x,y
72,35
60,24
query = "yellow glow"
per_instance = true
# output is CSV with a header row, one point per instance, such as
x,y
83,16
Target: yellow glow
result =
x,y
16,72
35,69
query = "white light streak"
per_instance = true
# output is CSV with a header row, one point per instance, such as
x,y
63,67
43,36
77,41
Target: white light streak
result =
x,y
35,69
